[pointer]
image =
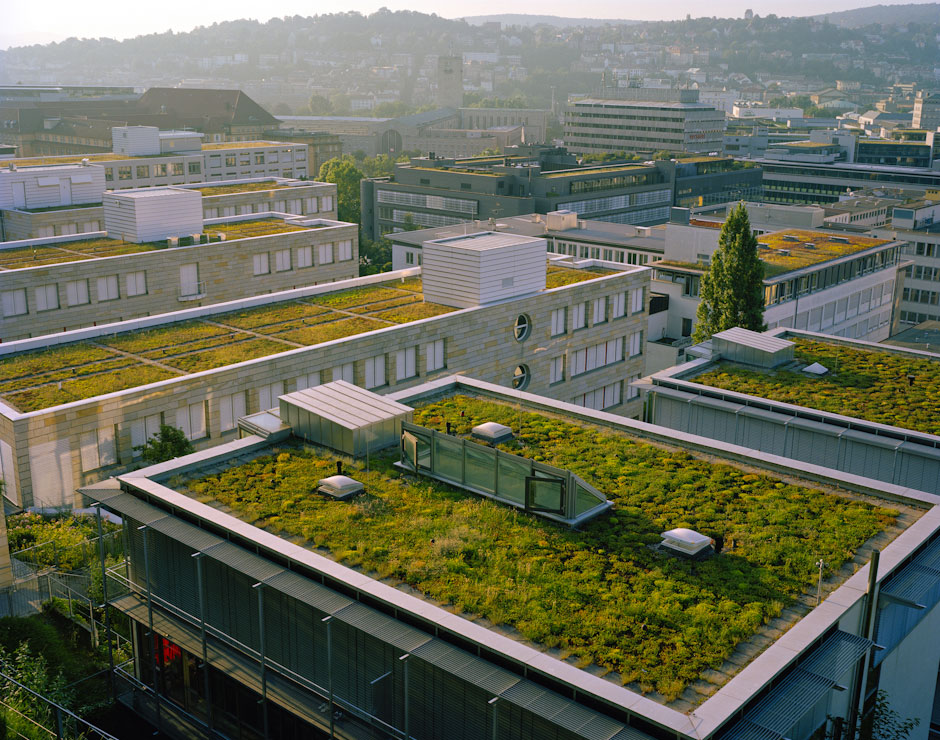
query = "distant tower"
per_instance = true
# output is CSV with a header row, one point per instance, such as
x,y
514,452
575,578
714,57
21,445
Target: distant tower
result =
x,y
748,14
449,82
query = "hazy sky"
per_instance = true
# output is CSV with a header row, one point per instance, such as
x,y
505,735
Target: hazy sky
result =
x,y
28,22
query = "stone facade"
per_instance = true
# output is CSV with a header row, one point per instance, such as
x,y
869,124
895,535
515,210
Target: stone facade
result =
x,y
45,449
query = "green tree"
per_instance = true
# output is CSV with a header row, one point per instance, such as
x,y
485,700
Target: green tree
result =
x,y
319,106
342,172
375,256
166,444
732,292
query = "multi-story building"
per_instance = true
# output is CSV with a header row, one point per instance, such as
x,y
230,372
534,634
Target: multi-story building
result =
x,y
834,282
321,146
74,205
76,404
432,192
205,163
281,612
916,223
643,120
170,258
926,111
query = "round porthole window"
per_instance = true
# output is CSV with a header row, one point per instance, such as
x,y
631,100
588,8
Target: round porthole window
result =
x,y
521,377
522,328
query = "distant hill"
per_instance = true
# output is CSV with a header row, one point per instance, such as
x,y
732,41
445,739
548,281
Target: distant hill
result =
x,y
519,19
895,15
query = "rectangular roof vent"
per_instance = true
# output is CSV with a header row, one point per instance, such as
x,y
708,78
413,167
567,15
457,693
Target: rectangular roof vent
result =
x,y
752,348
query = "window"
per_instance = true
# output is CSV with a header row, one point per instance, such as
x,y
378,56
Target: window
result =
x,y
261,264
409,258
559,321
231,160
344,372
325,254
556,371
521,377
109,174
124,173
375,371
600,310
144,429
304,257
311,205
282,260
47,297
405,363
259,157
345,250
176,168
159,170
635,343
522,328
136,283
143,172
192,420
268,395
595,356
195,168
636,300
98,448
108,288
189,280
231,407
631,391
687,327
434,355
599,399
76,292
578,316
310,380
326,203
618,305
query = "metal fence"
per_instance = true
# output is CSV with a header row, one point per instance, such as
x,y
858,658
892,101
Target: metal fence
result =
x,y
32,716
51,554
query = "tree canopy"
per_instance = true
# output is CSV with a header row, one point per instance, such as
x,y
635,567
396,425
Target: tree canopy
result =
x,y
342,171
166,444
732,292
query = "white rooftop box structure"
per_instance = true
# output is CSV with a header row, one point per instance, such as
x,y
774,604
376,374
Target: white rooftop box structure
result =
x,y
51,186
138,141
686,541
152,214
344,417
752,348
481,268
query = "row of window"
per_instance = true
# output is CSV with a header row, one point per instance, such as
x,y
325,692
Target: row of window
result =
x,y
922,249
416,218
610,254
82,227
99,448
195,167
608,396
48,297
615,306
596,356
928,297
617,202
432,202
284,260
922,272
297,206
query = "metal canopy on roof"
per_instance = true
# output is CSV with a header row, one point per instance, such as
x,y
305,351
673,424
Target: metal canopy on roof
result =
x,y
753,339
242,560
345,404
382,627
132,507
917,578
796,695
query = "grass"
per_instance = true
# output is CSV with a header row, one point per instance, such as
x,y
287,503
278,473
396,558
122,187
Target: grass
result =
x,y
70,251
252,228
869,385
44,396
601,594
559,276
245,187
822,249
228,354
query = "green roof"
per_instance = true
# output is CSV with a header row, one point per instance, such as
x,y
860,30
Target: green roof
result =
x,y
884,387
601,596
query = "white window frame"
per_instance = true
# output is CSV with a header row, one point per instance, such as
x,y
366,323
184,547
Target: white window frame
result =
x,y
282,262
304,257
636,300
76,292
618,305
136,283
405,363
635,344
261,264
579,316
144,429
344,250
192,420
310,380
231,408
345,372
107,288
47,297
560,321
375,371
325,253
556,370
599,310
434,356
268,395
98,449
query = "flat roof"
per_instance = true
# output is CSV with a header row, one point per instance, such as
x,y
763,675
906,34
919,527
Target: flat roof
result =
x,y
885,386
243,187
484,241
793,249
602,597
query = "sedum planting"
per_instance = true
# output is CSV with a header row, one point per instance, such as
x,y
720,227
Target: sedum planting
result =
x,y
882,387
601,595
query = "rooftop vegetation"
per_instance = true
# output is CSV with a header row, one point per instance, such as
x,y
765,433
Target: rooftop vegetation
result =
x,y
70,251
244,187
39,379
886,388
601,596
559,276
252,228
783,253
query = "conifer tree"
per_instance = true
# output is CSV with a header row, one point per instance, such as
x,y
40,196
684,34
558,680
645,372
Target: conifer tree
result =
x,y
732,292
